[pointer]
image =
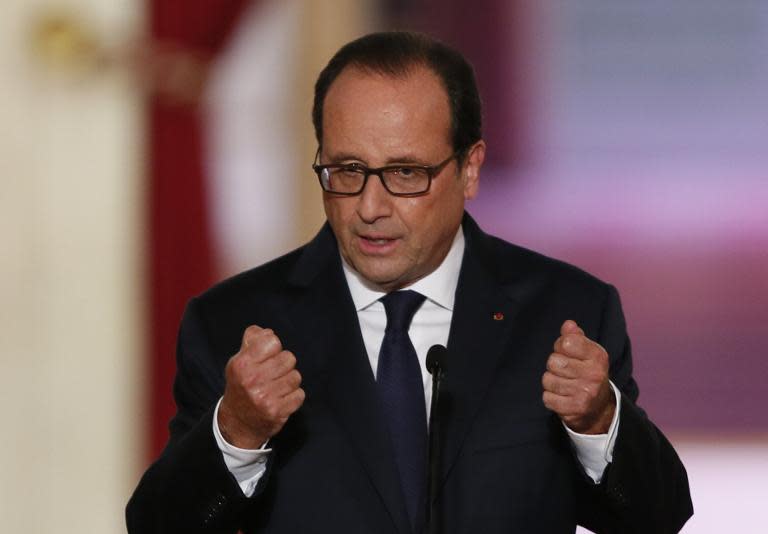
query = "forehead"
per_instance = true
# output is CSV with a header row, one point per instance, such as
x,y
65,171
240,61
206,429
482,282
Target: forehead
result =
x,y
371,108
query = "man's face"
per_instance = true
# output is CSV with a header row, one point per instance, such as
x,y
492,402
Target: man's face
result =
x,y
378,120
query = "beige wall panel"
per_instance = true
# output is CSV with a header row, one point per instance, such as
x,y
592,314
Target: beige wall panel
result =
x,y
70,335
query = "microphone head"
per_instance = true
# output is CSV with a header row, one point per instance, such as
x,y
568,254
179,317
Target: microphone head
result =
x,y
436,358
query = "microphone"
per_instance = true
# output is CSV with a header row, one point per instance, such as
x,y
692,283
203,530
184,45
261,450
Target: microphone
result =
x,y
436,357
435,360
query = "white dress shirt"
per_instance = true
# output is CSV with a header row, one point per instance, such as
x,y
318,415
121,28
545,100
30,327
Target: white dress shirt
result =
x,y
430,326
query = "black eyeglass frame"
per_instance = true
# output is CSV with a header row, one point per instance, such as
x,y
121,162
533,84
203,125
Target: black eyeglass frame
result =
x,y
431,170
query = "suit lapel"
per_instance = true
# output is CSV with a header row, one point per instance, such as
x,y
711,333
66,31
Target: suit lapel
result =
x,y
480,330
331,332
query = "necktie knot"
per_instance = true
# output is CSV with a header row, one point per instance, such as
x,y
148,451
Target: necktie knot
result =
x,y
401,307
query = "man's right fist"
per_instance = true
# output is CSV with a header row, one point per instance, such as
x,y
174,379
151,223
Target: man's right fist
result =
x,y
262,390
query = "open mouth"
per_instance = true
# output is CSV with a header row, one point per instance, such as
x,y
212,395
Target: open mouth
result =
x,y
376,243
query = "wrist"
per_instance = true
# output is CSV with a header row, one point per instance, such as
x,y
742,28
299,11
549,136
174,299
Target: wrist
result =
x,y
599,422
602,423
238,434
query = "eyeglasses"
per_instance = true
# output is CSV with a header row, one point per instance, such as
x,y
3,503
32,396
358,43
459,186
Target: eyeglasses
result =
x,y
349,179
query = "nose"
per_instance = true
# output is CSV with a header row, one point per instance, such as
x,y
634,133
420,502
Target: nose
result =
x,y
374,202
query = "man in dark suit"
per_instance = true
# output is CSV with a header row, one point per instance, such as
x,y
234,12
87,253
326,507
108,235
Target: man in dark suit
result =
x,y
318,423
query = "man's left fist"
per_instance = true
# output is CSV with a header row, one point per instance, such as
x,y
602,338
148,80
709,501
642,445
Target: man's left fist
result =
x,y
576,383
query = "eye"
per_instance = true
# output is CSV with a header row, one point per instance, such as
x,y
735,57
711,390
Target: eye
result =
x,y
404,172
351,169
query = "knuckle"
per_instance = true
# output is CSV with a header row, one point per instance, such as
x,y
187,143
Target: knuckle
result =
x,y
288,358
557,362
270,341
295,378
271,408
266,335
235,369
260,397
545,380
253,329
570,341
250,332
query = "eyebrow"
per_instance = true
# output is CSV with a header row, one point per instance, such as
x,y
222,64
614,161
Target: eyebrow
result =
x,y
401,160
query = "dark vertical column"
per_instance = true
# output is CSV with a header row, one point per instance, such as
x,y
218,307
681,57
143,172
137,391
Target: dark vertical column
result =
x,y
494,36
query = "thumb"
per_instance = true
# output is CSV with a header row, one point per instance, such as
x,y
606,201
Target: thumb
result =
x,y
570,327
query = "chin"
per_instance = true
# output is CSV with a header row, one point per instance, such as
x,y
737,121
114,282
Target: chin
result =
x,y
384,279
377,277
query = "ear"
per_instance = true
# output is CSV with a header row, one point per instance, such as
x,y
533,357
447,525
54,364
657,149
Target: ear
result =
x,y
471,171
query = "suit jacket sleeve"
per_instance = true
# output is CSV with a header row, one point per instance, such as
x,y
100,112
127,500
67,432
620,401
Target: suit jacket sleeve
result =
x,y
189,488
645,488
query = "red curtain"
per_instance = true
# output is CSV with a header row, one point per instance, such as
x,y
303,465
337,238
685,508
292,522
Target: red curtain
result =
x,y
185,37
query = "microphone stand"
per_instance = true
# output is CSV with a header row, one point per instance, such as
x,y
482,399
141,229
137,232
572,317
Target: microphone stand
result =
x,y
435,358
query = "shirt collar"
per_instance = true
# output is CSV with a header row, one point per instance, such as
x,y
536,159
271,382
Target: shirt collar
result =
x,y
439,286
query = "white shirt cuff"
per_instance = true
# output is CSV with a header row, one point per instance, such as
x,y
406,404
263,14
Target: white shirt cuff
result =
x,y
246,465
595,451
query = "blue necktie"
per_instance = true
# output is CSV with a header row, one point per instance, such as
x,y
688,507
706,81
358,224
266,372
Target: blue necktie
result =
x,y
401,390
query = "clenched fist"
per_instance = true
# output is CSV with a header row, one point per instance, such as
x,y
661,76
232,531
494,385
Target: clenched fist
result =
x,y
262,390
576,383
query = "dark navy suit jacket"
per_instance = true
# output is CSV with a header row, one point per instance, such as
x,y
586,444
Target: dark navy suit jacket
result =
x,y
507,463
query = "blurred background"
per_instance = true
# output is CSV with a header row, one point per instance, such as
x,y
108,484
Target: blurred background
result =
x,y
150,148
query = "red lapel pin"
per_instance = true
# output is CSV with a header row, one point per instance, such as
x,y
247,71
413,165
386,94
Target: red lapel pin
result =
x,y
498,316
